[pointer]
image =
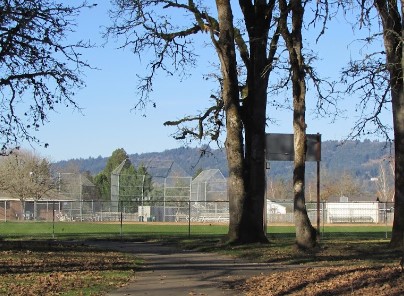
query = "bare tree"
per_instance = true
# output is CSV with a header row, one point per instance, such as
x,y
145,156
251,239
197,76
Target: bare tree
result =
x,y
279,189
292,34
379,77
339,184
39,68
385,181
26,176
248,52
147,25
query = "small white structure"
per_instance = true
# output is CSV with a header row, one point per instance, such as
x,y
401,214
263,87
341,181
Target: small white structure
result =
x,y
352,212
144,213
274,208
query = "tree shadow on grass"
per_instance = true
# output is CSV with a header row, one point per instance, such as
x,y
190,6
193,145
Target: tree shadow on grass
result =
x,y
19,257
330,251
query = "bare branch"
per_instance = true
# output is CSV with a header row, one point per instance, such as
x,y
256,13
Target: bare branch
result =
x,y
38,68
209,123
369,78
172,45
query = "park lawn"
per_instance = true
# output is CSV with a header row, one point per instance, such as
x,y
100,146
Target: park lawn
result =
x,y
103,230
63,230
343,264
61,268
346,265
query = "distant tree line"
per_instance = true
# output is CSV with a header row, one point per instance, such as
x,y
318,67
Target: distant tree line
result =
x,y
359,158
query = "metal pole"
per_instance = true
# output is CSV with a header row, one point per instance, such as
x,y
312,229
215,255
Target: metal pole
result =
x,y
205,192
318,158
267,167
121,221
81,198
318,197
143,198
189,218
164,200
53,219
323,208
385,215
189,207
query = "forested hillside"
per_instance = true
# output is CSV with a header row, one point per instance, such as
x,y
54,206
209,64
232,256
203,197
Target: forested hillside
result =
x,y
360,159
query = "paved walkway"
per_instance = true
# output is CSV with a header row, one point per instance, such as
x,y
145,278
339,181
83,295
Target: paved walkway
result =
x,y
169,271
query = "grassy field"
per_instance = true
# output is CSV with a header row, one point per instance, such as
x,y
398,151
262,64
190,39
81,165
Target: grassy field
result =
x,y
64,230
39,267
349,258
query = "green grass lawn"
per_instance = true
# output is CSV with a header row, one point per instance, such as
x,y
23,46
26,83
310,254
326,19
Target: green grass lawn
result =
x,y
71,268
116,230
68,269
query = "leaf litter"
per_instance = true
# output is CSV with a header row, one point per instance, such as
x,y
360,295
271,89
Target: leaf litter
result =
x,y
31,268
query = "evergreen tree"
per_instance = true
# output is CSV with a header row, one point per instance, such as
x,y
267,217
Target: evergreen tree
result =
x,y
103,179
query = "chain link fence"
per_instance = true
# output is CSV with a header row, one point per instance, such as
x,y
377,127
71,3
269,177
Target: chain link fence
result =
x,y
98,215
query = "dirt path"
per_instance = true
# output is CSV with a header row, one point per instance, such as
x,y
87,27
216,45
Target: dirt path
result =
x,y
169,271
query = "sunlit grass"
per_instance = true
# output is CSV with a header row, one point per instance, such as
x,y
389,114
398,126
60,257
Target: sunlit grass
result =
x,y
49,268
60,230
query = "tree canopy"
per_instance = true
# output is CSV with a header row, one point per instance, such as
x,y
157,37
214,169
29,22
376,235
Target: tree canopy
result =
x,y
134,184
40,69
248,51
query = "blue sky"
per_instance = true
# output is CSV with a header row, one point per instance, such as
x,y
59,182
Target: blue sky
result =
x,y
108,121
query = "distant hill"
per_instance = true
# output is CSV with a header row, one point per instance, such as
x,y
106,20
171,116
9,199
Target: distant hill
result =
x,y
359,158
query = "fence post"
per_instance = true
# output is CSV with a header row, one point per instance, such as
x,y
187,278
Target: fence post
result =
x,y
189,207
323,205
53,219
385,215
121,218
164,200
189,218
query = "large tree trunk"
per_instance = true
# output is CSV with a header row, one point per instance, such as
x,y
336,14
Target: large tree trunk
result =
x,y
234,141
305,233
392,30
398,118
254,119
246,188
254,124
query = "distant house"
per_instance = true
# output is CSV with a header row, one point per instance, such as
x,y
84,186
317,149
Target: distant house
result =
x,y
13,209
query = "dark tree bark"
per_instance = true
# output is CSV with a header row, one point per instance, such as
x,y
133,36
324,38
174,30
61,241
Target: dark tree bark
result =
x,y
392,34
305,233
246,168
243,93
254,116
234,142
244,103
